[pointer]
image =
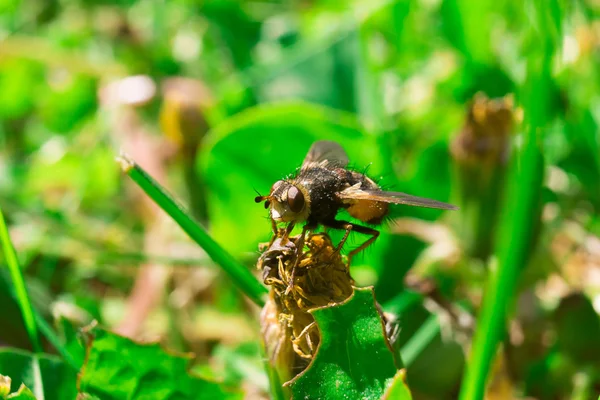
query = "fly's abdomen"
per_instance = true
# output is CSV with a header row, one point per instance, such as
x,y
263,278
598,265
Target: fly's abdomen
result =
x,y
369,211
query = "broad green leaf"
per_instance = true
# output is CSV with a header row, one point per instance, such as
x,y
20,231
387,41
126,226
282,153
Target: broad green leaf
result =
x,y
398,389
119,368
255,148
354,360
47,376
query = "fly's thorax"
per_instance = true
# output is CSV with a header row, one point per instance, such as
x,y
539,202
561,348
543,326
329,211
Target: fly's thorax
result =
x,y
365,181
322,185
289,202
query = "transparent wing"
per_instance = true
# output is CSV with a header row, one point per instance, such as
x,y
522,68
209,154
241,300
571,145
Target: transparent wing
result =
x,y
354,193
328,151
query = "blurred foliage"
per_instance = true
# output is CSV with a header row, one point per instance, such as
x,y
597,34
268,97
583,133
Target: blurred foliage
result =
x,y
396,82
46,376
110,373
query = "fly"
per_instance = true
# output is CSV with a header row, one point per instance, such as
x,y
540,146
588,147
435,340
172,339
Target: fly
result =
x,y
323,187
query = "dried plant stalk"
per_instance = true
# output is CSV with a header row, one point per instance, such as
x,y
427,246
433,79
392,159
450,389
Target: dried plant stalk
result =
x,y
481,151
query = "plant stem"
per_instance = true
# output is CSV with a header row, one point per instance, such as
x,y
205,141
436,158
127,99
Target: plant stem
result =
x,y
19,284
520,219
239,273
275,386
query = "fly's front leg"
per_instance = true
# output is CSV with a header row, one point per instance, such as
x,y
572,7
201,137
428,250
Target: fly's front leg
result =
x,y
297,255
286,234
275,232
274,227
349,226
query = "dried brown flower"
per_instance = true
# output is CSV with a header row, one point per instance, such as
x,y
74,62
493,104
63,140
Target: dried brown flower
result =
x,y
321,278
485,136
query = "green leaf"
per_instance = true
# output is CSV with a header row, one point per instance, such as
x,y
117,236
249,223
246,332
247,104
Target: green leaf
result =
x,y
398,389
48,377
254,149
354,360
119,368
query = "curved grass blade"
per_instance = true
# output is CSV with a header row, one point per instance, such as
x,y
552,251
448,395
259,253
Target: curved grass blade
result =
x,y
240,274
19,284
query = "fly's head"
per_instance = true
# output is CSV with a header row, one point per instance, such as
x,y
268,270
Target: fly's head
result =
x,y
287,201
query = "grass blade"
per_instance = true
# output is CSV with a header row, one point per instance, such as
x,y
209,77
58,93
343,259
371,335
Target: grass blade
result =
x,y
51,336
239,273
19,284
521,217
46,330
420,340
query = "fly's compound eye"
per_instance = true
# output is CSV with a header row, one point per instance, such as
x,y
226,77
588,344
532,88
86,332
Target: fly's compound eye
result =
x,y
295,199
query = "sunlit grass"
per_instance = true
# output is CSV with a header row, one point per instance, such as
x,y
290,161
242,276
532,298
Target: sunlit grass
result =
x,y
240,275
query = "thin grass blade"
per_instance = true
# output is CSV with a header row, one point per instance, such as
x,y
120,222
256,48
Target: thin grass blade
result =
x,y
240,275
19,284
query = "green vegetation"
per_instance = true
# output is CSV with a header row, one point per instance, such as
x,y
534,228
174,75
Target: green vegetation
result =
x,y
492,106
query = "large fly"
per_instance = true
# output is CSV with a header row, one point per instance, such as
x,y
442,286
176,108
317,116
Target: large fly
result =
x,y
323,187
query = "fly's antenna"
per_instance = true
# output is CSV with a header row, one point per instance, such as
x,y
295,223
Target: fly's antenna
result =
x,y
260,198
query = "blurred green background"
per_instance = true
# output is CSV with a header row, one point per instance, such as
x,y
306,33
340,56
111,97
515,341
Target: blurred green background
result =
x,y
218,99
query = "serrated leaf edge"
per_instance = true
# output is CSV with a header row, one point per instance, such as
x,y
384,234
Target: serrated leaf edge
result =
x,y
355,289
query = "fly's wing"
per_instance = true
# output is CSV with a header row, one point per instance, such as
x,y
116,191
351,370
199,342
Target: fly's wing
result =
x,y
327,153
356,193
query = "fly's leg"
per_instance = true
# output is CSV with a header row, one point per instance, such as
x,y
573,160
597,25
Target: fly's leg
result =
x,y
275,232
274,227
286,234
349,226
297,255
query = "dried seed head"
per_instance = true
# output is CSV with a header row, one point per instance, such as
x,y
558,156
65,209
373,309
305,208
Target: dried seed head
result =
x,y
485,136
321,279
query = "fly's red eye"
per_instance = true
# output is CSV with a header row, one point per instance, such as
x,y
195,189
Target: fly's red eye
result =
x,y
295,199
